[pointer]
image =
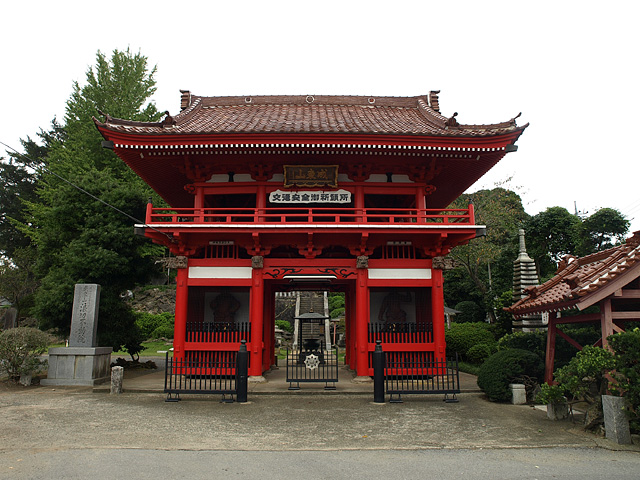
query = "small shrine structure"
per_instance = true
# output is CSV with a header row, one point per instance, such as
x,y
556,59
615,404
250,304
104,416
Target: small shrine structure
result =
x,y
268,194
609,280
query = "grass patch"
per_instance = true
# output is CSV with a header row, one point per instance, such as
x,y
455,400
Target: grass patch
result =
x,y
468,368
150,349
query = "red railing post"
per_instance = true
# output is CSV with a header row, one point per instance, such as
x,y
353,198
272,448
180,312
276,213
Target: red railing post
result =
x,y
149,212
472,219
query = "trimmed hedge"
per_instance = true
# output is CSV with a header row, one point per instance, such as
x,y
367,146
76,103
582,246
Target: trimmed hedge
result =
x,y
535,342
480,352
505,367
627,377
462,336
154,325
470,312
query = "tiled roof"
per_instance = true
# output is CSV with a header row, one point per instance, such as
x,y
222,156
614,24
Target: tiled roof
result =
x,y
579,277
311,114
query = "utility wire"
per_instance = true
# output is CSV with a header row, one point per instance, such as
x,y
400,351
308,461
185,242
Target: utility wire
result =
x,y
43,167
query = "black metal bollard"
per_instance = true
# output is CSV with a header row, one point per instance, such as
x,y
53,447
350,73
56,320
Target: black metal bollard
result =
x,y
242,372
378,373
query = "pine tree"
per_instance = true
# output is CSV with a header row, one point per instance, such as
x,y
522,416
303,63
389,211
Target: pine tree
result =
x,y
78,238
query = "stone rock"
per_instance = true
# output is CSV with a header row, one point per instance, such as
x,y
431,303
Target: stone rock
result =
x,y
557,411
616,422
518,394
154,300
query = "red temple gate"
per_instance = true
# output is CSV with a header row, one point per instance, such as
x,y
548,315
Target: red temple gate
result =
x,y
269,194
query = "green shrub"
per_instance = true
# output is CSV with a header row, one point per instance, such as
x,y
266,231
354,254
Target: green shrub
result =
x,y
336,300
480,352
627,377
462,336
284,325
469,312
550,394
584,335
163,331
584,377
20,349
151,324
535,342
505,367
337,313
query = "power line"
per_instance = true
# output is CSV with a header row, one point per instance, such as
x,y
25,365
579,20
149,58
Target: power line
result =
x,y
144,224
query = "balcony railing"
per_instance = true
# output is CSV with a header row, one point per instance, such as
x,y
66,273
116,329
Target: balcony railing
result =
x,y
383,216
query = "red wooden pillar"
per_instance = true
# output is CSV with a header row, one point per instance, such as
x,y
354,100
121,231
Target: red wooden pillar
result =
x,y
437,314
421,204
349,331
606,321
550,355
182,309
362,324
198,204
257,322
269,329
358,202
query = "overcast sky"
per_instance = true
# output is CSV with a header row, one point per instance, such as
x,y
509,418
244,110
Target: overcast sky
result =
x,y
570,67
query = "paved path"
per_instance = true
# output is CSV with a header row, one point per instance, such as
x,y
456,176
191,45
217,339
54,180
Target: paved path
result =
x,y
278,434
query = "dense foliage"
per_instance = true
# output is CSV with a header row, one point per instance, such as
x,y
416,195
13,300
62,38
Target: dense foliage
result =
x,y
505,367
79,239
153,326
626,347
463,336
20,350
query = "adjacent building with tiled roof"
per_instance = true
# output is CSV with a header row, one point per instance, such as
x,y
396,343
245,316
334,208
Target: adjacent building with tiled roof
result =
x,y
609,279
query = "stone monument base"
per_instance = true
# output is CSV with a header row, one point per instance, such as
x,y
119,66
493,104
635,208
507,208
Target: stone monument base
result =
x,y
78,366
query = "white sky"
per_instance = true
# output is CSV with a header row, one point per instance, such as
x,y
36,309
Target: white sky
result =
x,y
569,66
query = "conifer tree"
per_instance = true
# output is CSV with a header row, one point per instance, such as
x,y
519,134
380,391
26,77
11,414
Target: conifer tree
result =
x,y
78,238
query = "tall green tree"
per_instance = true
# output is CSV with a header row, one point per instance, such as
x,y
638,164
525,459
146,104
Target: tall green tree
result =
x,y
79,239
20,174
487,262
551,235
604,229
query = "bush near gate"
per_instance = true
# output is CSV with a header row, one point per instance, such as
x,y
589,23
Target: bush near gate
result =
x,y
462,336
20,350
505,367
480,352
535,342
154,325
284,325
626,347
470,312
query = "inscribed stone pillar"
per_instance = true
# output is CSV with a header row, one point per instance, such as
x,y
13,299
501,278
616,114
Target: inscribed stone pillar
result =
x,y
82,362
84,319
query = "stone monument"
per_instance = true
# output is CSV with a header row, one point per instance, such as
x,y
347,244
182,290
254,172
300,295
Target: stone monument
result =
x,y
525,275
82,362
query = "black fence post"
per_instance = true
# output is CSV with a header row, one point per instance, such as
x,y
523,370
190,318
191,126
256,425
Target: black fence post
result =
x,y
378,373
242,372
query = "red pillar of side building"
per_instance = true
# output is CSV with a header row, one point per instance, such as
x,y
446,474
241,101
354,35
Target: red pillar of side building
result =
x,y
437,314
362,324
257,323
182,309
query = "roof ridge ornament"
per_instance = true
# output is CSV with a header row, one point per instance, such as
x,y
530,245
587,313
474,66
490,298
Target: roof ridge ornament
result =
x,y
452,122
107,117
169,121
